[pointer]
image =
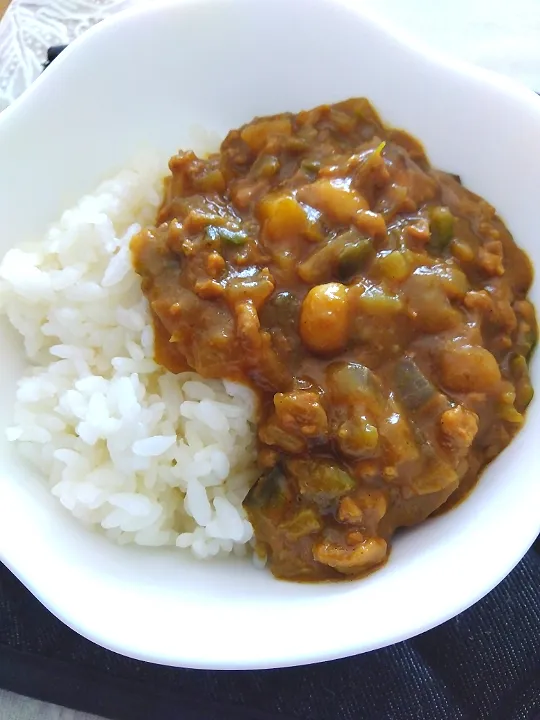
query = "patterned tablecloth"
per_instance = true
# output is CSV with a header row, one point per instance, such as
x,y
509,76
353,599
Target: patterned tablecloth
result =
x,y
497,34
29,28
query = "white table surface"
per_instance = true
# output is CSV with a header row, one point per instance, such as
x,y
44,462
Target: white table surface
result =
x,y
498,34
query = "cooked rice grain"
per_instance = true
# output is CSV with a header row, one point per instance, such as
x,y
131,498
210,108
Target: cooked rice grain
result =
x,y
145,456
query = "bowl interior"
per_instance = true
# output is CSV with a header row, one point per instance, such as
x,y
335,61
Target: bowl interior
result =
x,y
174,76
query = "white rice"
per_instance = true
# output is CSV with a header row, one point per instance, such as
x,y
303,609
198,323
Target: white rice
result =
x,y
143,455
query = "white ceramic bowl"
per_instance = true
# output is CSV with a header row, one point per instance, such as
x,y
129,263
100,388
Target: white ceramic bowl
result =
x,y
152,78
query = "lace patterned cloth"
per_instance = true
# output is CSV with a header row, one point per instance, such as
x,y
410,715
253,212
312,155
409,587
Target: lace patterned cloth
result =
x,y
29,28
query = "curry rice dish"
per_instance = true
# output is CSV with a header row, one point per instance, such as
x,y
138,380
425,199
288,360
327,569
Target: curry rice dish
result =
x,y
376,309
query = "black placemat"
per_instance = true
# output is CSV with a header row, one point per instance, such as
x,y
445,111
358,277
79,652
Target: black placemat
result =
x,y
483,665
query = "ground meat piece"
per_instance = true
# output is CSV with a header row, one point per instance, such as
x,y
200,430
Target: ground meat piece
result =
x,y
490,257
301,412
459,427
248,326
265,366
478,300
346,559
504,315
419,230
208,289
349,511
365,507
215,264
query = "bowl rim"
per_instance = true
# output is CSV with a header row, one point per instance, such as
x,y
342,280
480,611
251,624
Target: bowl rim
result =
x,y
511,88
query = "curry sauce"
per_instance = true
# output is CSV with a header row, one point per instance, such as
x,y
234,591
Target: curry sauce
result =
x,y
377,307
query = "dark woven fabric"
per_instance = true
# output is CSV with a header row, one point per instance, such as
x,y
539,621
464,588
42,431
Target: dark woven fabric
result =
x,y
483,665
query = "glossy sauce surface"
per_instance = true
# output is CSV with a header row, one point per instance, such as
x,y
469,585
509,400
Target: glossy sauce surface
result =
x,y
376,306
